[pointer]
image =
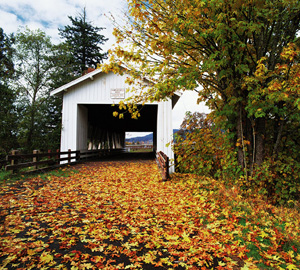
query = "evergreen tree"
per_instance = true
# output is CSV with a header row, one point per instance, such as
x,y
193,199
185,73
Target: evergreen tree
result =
x,y
84,42
8,115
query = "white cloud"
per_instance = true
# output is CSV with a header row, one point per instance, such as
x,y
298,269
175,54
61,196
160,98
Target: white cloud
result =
x,y
9,22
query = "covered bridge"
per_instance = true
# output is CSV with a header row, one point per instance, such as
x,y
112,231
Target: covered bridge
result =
x,y
87,115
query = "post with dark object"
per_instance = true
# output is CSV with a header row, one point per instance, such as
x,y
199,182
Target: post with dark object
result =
x,y
14,161
166,166
35,158
69,156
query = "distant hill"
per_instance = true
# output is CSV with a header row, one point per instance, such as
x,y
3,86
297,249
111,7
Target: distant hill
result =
x,y
148,138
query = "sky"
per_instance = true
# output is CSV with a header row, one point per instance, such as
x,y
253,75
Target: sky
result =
x,y
49,15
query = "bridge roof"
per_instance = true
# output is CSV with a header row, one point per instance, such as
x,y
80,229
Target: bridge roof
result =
x,y
87,76
90,76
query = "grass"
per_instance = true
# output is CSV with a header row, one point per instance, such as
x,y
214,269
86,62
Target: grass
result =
x,y
7,177
141,150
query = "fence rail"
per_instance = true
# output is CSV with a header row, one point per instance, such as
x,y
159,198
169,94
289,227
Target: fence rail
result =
x,y
163,163
17,161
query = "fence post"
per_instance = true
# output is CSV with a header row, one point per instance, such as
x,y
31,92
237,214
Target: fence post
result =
x,y
69,156
14,161
77,155
35,159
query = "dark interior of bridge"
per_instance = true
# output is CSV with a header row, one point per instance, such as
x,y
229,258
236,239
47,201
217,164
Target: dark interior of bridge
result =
x,y
104,127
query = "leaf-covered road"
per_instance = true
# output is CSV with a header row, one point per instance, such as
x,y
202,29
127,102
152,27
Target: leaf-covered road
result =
x,y
120,215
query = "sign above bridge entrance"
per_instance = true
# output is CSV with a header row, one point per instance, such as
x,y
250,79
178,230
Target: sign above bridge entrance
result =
x,y
117,93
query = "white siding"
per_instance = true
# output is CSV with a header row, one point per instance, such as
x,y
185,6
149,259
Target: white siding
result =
x,y
97,91
69,126
165,129
82,127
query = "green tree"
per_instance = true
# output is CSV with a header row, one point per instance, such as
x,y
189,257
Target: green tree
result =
x,y
34,69
221,46
200,147
84,40
8,117
62,59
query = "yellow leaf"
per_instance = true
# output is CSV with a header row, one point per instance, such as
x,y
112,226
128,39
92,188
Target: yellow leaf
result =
x,y
221,263
186,237
263,234
46,257
30,252
291,267
291,253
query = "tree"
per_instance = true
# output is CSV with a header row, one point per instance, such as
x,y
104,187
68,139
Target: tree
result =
x,y
194,121
242,53
84,42
62,59
200,147
8,96
34,69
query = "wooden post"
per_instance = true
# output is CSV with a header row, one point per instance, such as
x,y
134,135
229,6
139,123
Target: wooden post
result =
x,y
69,156
77,155
167,167
35,159
14,161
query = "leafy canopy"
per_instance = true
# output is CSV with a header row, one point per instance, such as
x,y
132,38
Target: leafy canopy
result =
x,y
243,54
39,113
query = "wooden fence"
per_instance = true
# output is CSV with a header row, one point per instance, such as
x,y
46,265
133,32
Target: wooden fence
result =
x,y
40,161
163,163
35,160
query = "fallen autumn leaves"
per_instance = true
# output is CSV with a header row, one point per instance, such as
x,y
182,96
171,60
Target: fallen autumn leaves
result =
x,y
111,215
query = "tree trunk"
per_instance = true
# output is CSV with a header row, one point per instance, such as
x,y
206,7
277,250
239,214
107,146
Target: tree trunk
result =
x,y
279,130
260,125
240,135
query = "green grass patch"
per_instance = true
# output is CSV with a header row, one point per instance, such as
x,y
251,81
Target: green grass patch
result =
x,y
9,177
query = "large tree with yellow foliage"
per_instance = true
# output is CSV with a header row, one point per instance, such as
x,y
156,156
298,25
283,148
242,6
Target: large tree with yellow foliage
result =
x,y
241,56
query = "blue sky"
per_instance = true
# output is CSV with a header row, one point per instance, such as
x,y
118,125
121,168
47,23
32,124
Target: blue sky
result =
x,y
49,15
